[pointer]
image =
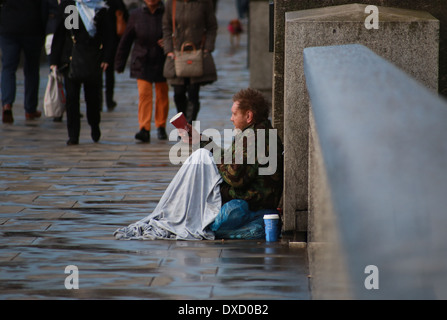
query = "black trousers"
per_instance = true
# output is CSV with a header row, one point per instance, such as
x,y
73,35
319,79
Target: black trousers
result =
x,y
186,98
110,84
93,101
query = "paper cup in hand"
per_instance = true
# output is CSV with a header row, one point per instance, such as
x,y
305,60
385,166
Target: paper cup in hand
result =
x,y
179,121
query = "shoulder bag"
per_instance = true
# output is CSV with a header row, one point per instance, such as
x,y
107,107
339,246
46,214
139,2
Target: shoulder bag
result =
x,y
187,63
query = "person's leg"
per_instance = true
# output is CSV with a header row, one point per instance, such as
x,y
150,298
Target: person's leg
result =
x,y
145,104
10,48
193,97
32,46
161,108
72,107
145,96
239,9
110,86
93,101
180,98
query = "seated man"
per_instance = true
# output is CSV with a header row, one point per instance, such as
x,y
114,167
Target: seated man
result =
x,y
204,183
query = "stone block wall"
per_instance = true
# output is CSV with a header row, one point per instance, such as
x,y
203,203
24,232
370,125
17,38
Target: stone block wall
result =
x,y
437,8
408,38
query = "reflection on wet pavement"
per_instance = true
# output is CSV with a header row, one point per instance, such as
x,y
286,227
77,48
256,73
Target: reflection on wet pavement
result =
x,y
60,205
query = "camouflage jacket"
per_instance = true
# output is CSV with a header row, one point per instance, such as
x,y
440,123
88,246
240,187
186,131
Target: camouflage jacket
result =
x,y
253,175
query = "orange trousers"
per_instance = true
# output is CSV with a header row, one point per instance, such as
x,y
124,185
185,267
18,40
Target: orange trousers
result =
x,y
145,104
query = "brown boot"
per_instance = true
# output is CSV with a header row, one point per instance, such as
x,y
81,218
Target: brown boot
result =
x,y
33,115
7,114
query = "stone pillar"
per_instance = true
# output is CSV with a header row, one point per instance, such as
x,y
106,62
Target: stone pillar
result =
x,y
408,38
260,59
437,8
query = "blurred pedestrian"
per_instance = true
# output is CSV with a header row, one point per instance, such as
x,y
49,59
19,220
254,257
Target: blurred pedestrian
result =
x,y
242,7
87,24
195,21
51,10
119,16
144,30
22,28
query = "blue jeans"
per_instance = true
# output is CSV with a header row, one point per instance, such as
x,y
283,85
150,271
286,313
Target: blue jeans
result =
x,y
12,46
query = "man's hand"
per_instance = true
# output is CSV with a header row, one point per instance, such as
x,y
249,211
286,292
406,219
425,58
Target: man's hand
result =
x,y
104,66
191,136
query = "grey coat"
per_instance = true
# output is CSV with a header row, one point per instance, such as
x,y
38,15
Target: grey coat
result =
x,y
195,21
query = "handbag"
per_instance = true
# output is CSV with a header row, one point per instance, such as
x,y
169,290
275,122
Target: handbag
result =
x,y
54,99
85,60
188,63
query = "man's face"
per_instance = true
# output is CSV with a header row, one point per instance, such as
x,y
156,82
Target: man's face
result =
x,y
238,117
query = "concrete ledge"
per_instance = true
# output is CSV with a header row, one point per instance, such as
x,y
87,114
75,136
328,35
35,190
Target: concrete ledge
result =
x,y
378,177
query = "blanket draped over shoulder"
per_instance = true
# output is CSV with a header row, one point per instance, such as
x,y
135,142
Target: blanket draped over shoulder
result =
x,y
189,205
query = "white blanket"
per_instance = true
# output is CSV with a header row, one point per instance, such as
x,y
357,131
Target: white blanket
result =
x,y
189,205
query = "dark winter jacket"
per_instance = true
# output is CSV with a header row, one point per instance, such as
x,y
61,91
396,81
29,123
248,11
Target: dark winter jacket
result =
x,y
144,30
62,42
22,17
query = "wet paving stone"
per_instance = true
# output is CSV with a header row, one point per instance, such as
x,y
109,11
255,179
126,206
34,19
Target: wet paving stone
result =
x,y
60,205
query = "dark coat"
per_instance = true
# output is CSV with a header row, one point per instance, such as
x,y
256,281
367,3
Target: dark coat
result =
x,y
62,42
22,17
195,20
144,30
50,8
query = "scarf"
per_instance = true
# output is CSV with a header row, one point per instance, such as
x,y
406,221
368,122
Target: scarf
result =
x,y
87,10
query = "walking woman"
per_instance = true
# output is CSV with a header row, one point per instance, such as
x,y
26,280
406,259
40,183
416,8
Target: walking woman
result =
x,y
144,30
195,21
21,31
87,24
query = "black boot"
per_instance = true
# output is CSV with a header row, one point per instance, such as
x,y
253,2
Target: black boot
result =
x,y
161,133
111,104
95,133
195,111
143,135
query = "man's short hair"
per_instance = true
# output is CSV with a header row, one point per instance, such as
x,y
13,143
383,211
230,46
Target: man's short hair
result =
x,y
255,101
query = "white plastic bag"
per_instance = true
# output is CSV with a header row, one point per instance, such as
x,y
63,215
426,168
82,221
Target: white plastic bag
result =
x,y
54,100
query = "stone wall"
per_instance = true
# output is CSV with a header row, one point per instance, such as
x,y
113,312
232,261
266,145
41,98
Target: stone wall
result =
x,y
408,38
378,180
260,59
437,8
